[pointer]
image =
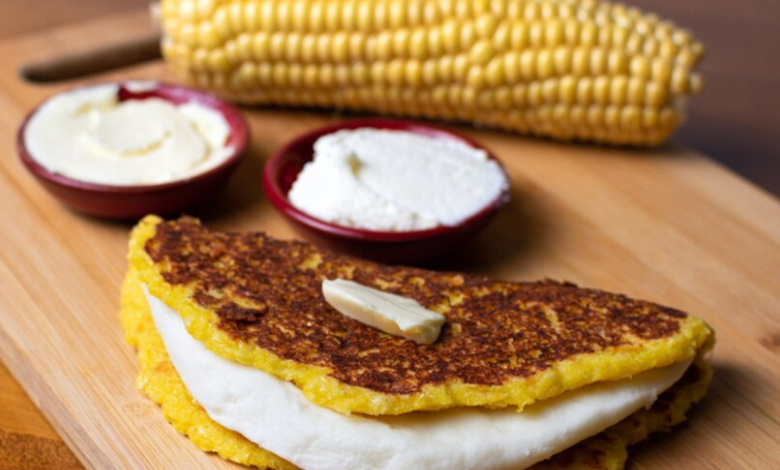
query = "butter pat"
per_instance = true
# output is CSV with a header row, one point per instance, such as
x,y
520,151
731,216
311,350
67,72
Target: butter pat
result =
x,y
394,314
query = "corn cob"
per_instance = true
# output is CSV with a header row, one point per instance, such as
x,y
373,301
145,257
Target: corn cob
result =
x,y
566,69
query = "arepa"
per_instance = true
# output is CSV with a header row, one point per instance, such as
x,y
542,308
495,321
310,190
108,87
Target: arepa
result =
x,y
161,378
257,301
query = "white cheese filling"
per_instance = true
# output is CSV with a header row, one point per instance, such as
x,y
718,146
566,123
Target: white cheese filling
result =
x,y
395,180
89,135
275,415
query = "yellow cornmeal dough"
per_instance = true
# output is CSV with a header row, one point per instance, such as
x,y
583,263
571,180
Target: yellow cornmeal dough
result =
x,y
323,389
159,380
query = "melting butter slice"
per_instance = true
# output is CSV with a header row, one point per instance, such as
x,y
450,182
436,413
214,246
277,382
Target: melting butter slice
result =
x,y
394,314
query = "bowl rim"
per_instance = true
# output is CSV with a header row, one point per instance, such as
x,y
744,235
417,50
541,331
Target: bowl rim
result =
x,y
279,200
239,133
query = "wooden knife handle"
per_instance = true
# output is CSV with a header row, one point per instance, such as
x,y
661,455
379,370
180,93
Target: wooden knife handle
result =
x,y
98,60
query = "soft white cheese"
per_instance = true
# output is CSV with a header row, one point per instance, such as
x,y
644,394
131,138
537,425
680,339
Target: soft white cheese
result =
x,y
394,314
275,415
395,180
88,135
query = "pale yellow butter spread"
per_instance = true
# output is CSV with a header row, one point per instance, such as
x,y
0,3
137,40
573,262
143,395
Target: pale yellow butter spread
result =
x,y
89,135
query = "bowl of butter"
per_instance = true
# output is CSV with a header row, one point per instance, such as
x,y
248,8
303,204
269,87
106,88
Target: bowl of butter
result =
x,y
391,190
124,150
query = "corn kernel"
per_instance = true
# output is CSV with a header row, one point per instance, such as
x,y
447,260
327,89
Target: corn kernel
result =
x,y
567,69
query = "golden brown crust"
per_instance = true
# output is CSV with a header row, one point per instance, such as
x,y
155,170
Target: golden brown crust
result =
x,y
268,292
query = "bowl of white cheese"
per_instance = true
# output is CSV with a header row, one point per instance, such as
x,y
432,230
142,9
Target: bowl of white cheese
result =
x,y
127,149
391,190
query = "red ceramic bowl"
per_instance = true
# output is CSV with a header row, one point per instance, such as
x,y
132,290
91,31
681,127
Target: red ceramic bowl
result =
x,y
130,202
282,168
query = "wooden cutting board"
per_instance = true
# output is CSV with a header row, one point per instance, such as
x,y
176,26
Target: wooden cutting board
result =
x,y
667,225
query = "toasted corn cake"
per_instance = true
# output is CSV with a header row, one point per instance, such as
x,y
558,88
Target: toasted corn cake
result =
x,y
257,300
160,381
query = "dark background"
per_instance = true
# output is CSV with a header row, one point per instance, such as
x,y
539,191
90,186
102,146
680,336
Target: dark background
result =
x,y
735,120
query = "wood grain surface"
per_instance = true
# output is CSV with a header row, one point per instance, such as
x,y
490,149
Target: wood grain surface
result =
x,y
668,225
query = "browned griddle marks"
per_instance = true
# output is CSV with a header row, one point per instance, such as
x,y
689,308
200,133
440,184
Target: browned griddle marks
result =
x,y
268,292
